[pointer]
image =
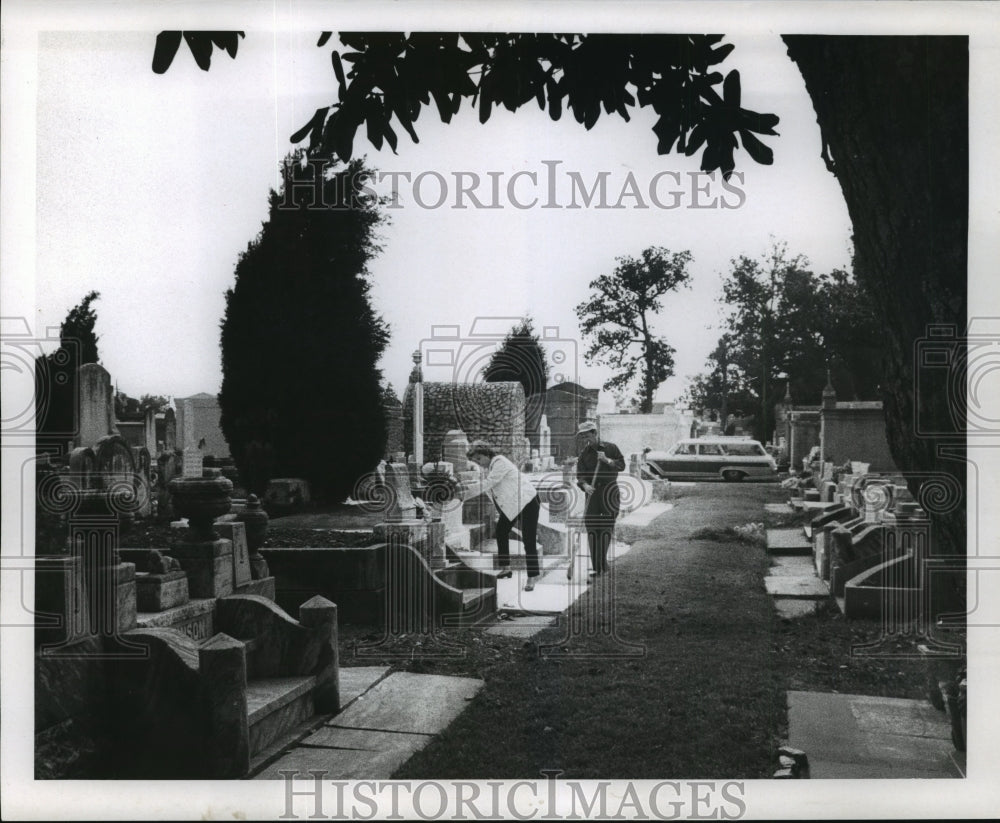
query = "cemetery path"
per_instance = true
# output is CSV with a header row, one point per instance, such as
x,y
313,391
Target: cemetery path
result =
x,y
667,666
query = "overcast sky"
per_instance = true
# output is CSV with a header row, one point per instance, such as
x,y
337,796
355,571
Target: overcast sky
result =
x,y
149,187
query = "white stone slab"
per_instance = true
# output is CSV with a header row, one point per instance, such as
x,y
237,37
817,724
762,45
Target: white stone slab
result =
x,y
791,564
523,626
788,586
786,538
348,754
792,608
778,508
356,680
787,541
408,702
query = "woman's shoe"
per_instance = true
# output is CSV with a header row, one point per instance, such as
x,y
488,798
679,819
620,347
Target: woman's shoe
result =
x,y
505,574
530,585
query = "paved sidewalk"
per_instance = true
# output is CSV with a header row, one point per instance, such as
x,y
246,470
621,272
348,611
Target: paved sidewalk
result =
x,y
388,717
385,721
858,736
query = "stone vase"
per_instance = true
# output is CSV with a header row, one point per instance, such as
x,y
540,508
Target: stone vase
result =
x,y
201,500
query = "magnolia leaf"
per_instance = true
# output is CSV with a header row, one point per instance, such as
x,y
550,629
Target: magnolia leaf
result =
x,y
756,149
200,44
338,68
316,122
167,43
731,88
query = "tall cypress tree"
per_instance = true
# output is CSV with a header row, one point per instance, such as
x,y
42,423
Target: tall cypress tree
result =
x,y
301,390
521,359
55,376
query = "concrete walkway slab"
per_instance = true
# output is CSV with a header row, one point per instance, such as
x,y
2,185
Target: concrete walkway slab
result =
x,y
348,754
778,508
859,736
408,702
796,565
356,680
787,541
798,587
812,505
523,626
791,608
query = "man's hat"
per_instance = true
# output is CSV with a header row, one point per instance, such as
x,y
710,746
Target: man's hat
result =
x,y
587,426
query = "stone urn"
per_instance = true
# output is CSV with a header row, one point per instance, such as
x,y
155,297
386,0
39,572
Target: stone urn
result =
x,y
255,519
111,504
201,500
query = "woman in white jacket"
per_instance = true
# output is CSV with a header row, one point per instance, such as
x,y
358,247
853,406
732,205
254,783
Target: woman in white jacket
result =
x,y
515,499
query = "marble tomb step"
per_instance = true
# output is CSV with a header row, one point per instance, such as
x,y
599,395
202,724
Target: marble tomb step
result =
x,y
788,541
277,706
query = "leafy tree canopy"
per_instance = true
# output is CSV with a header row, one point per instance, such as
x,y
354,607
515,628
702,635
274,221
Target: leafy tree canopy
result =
x,y
617,319
55,376
786,327
520,359
893,113
78,328
129,408
389,77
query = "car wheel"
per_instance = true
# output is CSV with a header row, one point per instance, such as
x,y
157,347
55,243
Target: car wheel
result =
x,y
732,476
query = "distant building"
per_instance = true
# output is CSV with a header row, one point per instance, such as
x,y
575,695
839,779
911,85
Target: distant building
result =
x,y
566,406
634,433
853,430
198,424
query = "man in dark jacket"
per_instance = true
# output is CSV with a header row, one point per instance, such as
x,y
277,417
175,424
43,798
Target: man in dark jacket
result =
x,y
597,475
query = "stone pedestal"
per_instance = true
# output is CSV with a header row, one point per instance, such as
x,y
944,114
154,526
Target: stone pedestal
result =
x,y
255,519
223,668
60,604
822,548
209,567
125,596
450,515
316,613
156,592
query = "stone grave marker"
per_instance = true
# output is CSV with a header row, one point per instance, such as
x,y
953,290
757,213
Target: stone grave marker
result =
x,y
236,533
193,463
96,406
402,506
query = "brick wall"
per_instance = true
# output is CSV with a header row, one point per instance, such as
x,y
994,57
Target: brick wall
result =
x,y
857,434
484,411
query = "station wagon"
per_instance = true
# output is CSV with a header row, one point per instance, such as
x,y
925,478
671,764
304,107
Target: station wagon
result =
x,y
728,458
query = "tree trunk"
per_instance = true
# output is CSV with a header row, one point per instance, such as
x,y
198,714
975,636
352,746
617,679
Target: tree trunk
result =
x,y
893,113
